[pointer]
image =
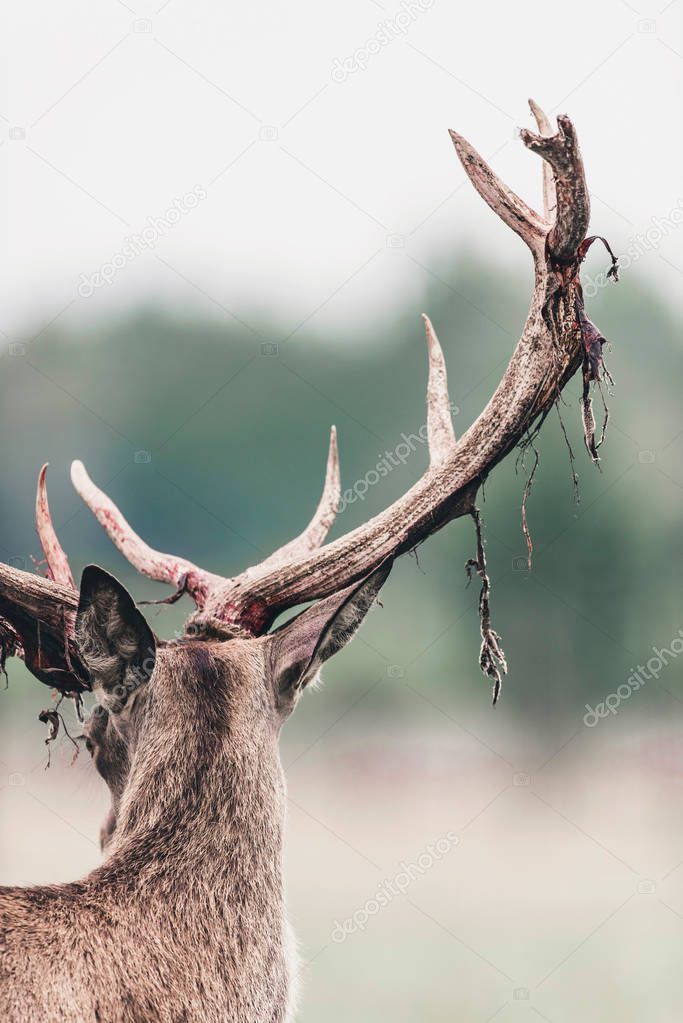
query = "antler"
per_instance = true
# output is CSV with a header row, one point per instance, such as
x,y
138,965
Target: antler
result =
x,y
547,355
550,350
545,128
56,560
187,577
37,613
165,568
36,623
317,529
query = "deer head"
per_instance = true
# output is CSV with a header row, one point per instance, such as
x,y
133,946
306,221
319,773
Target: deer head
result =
x,y
151,714
153,693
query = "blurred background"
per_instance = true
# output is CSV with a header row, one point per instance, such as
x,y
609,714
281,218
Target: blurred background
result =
x,y
221,224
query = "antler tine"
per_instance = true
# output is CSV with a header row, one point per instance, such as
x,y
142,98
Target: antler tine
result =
x,y
55,558
317,529
511,209
37,613
547,355
166,568
439,423
561,152
328,506
545,128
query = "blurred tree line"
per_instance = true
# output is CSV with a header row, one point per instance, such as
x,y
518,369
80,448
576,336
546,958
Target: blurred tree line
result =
x,y
212,436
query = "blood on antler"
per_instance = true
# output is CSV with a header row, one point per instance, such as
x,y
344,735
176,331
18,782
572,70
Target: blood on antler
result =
x,y
551,348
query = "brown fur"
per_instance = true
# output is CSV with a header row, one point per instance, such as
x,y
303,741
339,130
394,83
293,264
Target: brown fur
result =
x,y
184,920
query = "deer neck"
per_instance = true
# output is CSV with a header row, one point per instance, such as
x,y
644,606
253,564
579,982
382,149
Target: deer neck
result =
x,y
202,820
195,864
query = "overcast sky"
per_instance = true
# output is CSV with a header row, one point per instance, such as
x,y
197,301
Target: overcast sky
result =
x,y
311,140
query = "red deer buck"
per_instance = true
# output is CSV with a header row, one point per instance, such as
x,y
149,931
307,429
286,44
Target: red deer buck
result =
x,y
185,918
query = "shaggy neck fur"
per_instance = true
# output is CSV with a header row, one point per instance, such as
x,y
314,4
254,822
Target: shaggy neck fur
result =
x,y
185,919
205,792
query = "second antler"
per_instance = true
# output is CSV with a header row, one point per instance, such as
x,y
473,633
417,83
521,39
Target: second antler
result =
x,y
555,341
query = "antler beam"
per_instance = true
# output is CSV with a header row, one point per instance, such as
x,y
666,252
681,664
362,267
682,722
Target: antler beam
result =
x,y
552,346
36,622
548,353
37,614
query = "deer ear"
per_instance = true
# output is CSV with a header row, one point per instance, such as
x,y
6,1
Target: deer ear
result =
x,y
114,640
299,648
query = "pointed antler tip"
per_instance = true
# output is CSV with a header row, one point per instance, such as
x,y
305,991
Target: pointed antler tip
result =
x,y
333,444
41,494
58,569
430,333
542,120
333,460
80,480
41,490
441,436
316,531
458,141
